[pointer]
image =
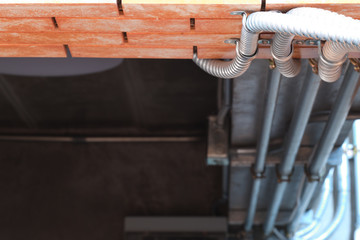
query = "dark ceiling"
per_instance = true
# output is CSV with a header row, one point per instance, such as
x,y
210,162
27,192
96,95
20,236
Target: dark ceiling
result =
x,y
85,190
138,97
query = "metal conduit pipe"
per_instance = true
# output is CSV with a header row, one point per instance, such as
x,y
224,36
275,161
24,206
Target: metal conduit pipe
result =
x,y
327,140
226,101
356,137
292,143
342,196
282,51
311,229
246,50
336,120
307,22
307,194
332,57
263,143
224,104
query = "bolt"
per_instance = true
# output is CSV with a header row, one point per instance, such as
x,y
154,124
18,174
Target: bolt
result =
x,y
356,64
272,64
314,65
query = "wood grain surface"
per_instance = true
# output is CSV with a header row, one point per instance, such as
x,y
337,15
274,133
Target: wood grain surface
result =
x,y
7,50
139,28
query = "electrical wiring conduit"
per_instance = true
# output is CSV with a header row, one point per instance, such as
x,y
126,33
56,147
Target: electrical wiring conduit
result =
x,y
340,32
309,231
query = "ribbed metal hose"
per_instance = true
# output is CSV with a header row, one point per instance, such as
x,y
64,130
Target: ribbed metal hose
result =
x,y
281,50
332,57
307,22
245,52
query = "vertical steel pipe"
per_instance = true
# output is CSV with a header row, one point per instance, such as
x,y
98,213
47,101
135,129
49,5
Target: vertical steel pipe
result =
x,y
266,120
336,120
224,96
309,231
327,140
225,99
263,143
342,197
304,202
292,143
356,138
274,207
255,190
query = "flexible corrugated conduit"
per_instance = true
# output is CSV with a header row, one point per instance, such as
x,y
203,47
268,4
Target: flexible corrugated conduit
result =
x,y
341,32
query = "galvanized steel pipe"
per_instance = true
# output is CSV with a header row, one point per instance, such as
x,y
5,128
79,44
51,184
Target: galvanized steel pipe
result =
x,y
356,137
328,138
263,143
292,143
309,231
342,197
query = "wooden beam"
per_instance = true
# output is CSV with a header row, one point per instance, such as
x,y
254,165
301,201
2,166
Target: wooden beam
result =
x,y
187,8
179,39
57,51
123,24
58,8
131,52
263,53
26,25
218,25
118,25
62,38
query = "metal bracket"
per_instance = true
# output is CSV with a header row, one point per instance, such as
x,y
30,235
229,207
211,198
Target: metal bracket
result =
x,y
257,174
218,141
308,42
310,177
238,13
314,65
243,14
232,40
281,178
264,41
356,63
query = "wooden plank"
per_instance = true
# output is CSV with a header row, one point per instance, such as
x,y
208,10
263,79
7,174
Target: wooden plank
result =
x,y
123,25
349,8
263,53
26,25
131,52
32,51
61,38
179,39
187,8
58,8
148,25
218,25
